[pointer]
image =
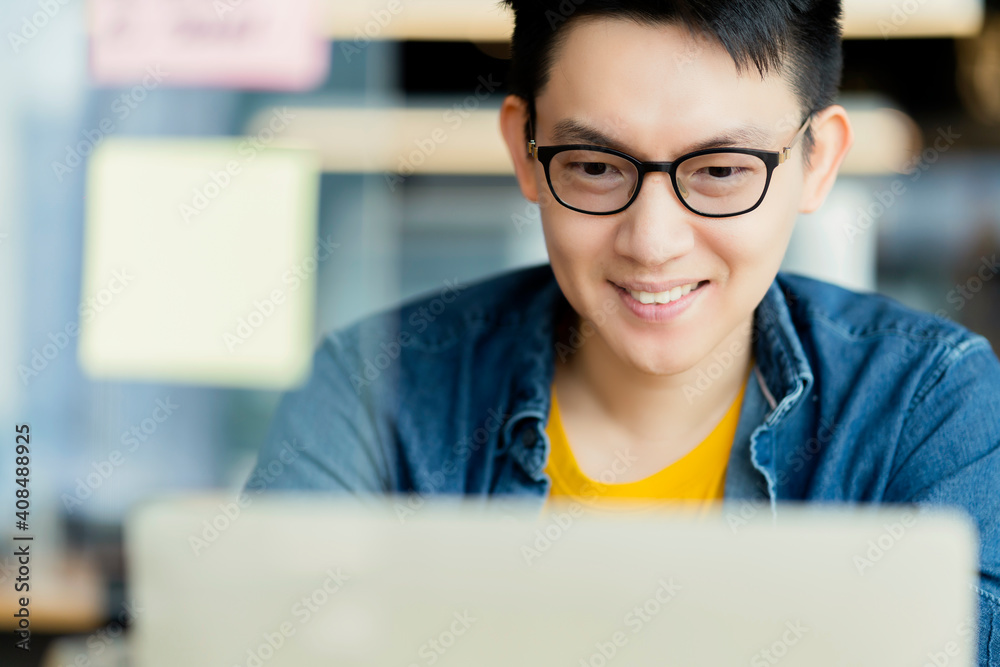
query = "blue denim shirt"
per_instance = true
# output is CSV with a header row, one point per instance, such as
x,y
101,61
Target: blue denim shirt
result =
x,y
854,398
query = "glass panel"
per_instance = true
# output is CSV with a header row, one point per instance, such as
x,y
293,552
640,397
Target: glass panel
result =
x,y
721,183
592,180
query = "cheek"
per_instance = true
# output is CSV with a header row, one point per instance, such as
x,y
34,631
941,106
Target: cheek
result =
x,y
577,246
781,204
757,242
579,253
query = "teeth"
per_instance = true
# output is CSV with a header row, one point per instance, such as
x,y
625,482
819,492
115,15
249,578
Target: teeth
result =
x,y
663,297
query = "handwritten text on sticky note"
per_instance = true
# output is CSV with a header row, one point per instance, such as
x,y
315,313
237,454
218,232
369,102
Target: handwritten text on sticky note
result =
x,y
257,44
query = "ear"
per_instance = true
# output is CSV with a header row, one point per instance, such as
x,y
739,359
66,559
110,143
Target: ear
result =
x,y
833,139
513,118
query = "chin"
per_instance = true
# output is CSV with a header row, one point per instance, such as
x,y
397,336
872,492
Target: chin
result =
x,y
654,361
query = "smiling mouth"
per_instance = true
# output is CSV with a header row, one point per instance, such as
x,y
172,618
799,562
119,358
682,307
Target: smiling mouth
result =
x,y
665,297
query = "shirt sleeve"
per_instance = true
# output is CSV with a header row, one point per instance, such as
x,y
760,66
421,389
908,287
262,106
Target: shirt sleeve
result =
x,y
949,454
323,436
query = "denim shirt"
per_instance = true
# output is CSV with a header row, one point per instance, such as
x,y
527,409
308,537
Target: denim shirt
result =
x,y
854,398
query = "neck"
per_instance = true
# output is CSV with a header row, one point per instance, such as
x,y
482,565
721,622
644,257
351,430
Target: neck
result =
x,y
654,407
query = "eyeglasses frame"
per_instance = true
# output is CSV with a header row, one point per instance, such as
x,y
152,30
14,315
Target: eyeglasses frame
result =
x,y
771,159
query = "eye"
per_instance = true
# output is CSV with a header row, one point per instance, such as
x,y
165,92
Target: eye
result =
x,y
593,168
724,172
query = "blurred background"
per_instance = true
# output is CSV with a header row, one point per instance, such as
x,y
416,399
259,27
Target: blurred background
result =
x,y
193,193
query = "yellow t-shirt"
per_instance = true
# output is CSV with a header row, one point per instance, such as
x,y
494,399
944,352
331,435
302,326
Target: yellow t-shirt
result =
x,y
699,476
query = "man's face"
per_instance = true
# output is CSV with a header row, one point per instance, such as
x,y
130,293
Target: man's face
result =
x,y
657,92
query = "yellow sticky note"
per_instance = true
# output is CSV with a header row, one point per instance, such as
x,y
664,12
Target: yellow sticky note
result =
x,y
200,258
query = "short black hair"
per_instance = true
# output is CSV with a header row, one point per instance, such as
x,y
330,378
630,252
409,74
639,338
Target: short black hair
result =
x,y
803,36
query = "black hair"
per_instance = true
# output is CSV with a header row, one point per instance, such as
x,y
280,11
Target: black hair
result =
x,y
802,37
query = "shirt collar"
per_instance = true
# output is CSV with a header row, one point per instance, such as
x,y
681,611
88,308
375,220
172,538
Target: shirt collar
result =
x,y
532,373
781,359
784,368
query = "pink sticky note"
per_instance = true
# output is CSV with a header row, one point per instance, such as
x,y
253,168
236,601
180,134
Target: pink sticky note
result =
x,y
259,44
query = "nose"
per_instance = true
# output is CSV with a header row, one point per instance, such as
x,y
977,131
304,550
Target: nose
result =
x,y
657,227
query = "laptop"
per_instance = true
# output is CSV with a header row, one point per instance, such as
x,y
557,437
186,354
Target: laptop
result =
x,y
299,580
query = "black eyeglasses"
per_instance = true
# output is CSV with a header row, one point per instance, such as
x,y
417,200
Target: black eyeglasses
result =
x,y
716,182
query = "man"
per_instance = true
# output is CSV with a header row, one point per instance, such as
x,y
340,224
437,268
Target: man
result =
x,y
670,147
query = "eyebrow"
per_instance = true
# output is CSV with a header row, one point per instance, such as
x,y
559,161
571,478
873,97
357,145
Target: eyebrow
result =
x,y
745,136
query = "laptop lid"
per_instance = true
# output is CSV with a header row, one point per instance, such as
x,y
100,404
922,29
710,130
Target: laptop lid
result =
x,y
320,580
